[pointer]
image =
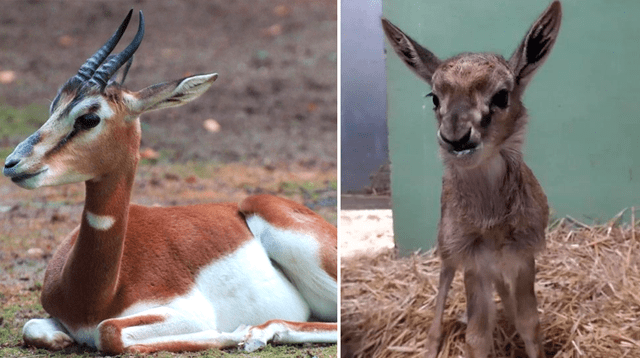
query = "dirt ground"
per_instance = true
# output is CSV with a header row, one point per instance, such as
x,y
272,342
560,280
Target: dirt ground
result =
x,y
275,101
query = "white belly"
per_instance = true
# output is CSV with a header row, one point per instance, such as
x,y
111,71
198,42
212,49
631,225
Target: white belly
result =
x,y
242,288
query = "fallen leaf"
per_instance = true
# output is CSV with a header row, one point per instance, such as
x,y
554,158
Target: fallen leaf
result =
x,y
211,125
35,253
7,77
149,153
66,41
169,53
312,107
191,179
282,10
273,30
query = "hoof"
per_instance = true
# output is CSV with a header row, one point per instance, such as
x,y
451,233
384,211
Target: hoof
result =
x,y
253,345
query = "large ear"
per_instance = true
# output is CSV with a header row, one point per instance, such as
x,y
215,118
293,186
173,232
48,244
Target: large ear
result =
x,y
536,45
170,94
420,60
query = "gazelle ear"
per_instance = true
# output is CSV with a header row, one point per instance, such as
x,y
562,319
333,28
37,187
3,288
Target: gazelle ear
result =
x,y
170,94
536,45
420,60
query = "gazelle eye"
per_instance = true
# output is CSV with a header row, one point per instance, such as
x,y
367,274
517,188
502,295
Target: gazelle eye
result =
x,y
436,100
500,99
86,121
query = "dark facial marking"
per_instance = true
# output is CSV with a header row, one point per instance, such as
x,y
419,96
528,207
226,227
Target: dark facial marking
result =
x,y
486,120
500,99
74,102
86,122
82,123
25,148
436,100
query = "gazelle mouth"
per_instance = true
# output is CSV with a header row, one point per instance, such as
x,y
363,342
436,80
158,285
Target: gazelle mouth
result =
x,y
460,153
22,177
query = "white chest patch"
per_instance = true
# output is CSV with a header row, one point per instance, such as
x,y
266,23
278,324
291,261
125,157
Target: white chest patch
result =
x,y
100,222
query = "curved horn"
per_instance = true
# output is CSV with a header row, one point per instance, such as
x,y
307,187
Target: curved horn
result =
x,y
106,70
89,67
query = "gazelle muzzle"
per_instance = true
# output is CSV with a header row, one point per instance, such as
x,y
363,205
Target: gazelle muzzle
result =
x,y
12,168
466,144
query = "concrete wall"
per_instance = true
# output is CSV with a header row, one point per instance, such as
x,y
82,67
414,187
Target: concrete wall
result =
x,y
363,93
583,138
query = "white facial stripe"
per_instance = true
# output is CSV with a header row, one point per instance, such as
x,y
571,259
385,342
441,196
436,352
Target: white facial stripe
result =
x,y
104,111
477,115
100,222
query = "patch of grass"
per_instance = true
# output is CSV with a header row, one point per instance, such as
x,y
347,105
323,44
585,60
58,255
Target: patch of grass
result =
x,y
18,122
288,188
17,243
312,189
13,319
200,169
5,151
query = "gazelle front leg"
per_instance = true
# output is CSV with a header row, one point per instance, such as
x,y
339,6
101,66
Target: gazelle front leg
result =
x,y
447,272
480,313
46,333
163,328
526,310
167,329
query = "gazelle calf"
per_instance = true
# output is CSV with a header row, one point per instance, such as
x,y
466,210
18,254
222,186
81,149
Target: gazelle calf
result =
x,y
140,279
494,212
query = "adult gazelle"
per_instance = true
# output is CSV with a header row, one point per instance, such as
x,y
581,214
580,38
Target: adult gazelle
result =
x,y
132,278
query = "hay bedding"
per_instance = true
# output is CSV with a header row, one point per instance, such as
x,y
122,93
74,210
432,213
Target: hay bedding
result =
x,y
587,284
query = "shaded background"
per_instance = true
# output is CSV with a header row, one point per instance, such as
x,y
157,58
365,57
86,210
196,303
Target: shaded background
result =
x,y
363,106
582,141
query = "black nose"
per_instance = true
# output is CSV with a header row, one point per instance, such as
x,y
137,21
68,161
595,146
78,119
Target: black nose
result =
x,y
10,163
461,144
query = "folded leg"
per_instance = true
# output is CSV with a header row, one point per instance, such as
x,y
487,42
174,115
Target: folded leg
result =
x,y
46,333
279,331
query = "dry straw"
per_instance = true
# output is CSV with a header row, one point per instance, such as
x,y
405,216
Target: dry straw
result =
x,y
587,284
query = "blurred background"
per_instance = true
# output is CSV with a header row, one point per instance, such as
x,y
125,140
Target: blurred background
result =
x,y
365,169
363,106
275,99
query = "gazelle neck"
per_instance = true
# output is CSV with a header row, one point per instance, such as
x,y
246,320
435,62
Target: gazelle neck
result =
x,y
93,265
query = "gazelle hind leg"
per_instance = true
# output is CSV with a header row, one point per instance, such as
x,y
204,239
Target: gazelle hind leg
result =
x,y
526,310
505,290
447,272
279,331
303,245
480,313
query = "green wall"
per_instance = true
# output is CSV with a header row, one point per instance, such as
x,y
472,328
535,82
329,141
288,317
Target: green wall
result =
x,y
583,139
